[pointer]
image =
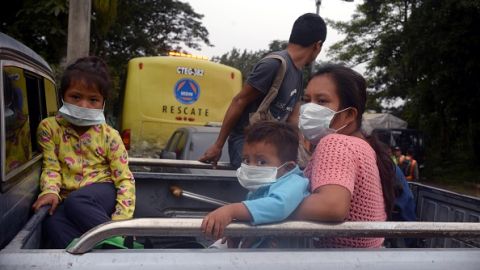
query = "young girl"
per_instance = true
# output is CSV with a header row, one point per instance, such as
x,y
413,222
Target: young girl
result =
x,y
351,178
85,176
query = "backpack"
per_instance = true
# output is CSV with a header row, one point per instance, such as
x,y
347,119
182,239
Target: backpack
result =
x,y
263,112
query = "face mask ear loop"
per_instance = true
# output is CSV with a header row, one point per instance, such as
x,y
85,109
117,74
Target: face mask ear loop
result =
x,y
334,118
286,164
344,126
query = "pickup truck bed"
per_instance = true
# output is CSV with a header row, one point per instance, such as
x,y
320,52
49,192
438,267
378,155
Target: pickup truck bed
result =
x,y
451,218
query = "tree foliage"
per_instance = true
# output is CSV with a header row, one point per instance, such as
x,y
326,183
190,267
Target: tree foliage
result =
x,y
145,28
120,30
41,25
148,28
424,52
245,60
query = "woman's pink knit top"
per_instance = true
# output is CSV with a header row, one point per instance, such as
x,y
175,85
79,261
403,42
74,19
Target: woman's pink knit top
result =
x,y
351,163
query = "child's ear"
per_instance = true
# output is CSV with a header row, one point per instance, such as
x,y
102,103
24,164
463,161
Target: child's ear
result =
x,y
290,166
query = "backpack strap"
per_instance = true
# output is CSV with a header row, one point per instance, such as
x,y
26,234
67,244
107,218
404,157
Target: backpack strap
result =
x,y
277,82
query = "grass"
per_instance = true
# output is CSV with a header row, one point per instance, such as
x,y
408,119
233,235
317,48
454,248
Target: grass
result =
x,y
455,177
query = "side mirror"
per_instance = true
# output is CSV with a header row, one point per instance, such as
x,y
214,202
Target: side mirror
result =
x,y
168,155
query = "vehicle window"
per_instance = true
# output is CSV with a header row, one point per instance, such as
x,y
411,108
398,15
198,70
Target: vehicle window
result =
x,y
25,107
51,97
200,143
172,142
36,104
18,144
180,149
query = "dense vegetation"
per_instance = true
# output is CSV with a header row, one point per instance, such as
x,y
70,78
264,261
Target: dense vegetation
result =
x,y
422,54
425,53
120,30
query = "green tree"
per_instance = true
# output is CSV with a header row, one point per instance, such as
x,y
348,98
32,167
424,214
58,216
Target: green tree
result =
x,y
143,28
441,52
426,53
120,30
148,28
41,25
374,37
241,60
245,60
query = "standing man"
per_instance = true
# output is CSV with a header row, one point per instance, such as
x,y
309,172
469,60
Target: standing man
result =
x,y
399,158
410,167
306,39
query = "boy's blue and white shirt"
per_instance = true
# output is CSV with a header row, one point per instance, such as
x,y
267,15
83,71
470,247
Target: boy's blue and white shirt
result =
x,y
275,202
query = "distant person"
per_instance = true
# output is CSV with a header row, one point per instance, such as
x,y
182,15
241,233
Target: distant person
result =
x,y
410,167
390,153
269,172
404,207
305,43
399,157
351,177
85,175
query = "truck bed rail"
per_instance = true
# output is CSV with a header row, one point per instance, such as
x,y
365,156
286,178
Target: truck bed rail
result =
x,y
173,163
191,227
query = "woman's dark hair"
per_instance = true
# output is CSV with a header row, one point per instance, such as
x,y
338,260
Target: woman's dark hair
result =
x,y
352,91
91,70
283,136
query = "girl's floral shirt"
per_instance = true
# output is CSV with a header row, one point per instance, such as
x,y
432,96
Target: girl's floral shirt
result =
x,y
71,161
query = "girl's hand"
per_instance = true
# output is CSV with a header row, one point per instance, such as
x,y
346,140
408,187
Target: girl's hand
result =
x,y
46,199
214,223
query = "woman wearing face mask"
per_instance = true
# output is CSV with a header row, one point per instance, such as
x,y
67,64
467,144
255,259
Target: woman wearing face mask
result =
x,y
351,179
85,176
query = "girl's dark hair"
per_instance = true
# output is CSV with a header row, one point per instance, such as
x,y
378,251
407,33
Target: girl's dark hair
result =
x,y
283,136
91,70
352,91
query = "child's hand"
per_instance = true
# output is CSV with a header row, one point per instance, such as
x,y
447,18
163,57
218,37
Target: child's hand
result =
x,y
214,223
46,199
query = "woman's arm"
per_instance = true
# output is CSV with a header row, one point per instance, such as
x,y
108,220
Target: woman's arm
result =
x,y
326,203
332,173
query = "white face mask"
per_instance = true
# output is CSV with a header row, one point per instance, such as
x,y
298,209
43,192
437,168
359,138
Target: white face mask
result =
x,y
315,120
253,177
80,116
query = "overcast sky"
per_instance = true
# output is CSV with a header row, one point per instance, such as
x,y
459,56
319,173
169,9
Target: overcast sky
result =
x,y
252,24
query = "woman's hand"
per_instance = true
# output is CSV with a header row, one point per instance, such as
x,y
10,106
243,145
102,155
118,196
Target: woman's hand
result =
x,y
46,199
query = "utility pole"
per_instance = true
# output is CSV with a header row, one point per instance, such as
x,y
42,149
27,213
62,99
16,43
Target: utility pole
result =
x,y
312,65
78,43
318,3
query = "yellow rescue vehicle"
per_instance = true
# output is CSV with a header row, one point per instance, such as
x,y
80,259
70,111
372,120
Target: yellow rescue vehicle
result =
x,y
167,92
